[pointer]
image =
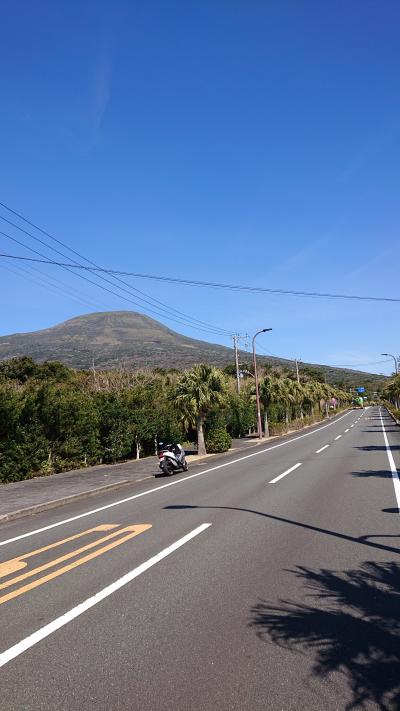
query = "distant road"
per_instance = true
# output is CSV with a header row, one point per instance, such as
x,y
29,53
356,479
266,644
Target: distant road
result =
x,y
268,580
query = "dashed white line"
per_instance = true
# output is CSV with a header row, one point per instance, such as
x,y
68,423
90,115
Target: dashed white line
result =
x,y
55,625
176,482
296,466
351,425
348,429
322,448
338,437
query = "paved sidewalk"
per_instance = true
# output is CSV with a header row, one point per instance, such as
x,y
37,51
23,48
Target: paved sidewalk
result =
x,y
22,498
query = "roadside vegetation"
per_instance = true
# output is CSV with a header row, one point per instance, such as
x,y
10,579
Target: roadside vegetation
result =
x,y
392,395
54,418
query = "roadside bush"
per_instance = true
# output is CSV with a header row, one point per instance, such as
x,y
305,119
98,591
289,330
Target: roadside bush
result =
x,y
53,418
240,415
278,428
218,440
394,412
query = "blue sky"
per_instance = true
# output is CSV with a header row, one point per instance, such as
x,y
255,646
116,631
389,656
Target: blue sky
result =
x,y
248,142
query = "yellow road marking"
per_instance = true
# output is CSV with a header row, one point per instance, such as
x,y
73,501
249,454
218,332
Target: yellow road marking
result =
x,y
63,558
11,566
132,532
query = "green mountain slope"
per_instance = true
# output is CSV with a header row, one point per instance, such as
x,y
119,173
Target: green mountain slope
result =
x,y
125,338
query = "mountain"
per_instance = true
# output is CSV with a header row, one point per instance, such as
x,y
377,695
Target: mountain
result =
x,y
125,338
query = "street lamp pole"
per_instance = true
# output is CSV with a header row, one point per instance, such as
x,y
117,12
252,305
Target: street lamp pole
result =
x,y
395,361
259,427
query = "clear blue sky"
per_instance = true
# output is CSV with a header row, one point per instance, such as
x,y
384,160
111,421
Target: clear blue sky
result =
x,y
254,142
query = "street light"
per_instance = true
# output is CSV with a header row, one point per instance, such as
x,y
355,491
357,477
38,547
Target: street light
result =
x,y
394,358
259,428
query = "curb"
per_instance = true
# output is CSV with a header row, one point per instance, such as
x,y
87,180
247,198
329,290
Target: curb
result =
x,y
392,415
45,506
37,508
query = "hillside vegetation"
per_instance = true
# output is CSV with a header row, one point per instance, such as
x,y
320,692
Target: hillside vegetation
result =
x,y
127,339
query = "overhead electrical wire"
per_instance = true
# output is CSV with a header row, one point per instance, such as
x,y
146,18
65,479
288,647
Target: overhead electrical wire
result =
x,y
146,298
69,267
73,263
46,281
214,285
359,365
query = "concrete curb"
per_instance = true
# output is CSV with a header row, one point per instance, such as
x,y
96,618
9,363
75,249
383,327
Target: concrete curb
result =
x,y
46,505
392,415
37,508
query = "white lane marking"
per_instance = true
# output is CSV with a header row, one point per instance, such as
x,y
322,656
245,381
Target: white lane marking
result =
x,y
165,486
338,437
55,625
296,466
393,468
348,429
322,448
351,425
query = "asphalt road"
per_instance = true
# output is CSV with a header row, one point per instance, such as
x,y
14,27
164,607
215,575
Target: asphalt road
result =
x,y
216,590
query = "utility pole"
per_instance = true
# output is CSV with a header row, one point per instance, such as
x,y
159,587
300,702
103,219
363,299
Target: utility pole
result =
x,y
297,369
236,338
259,426
235,346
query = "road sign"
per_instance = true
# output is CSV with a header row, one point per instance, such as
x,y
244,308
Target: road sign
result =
x,y
360,390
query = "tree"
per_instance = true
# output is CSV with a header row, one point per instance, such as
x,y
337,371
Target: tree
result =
x,y
270,392
392,391
199,390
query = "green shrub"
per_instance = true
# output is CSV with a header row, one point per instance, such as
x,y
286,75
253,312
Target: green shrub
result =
x,y
278,428
218,440
395,413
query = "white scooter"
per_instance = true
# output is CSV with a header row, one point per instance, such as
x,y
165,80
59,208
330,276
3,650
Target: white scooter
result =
x,y
172,458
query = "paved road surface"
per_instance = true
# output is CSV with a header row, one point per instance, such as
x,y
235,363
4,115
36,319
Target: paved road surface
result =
x,y
233,587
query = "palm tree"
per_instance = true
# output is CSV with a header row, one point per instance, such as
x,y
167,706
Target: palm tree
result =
x,y
298,396
199,390
392,391
327,392
269,391
314,394
286,396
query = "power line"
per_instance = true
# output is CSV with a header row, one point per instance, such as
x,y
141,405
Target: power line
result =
x,y
73,263
47,283
69,267
359,365
215,285
143,296
268,353
45,280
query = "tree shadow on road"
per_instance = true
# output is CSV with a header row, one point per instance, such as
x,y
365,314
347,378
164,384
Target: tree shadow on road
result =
x,y
352,627
378,448
380,473
392,510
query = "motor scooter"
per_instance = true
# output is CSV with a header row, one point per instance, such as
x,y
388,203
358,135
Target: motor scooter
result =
x,y
172,459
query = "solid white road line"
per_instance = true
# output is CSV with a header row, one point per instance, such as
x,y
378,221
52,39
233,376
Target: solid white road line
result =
x,y
165,486
338,437
322,448
55,625
296,466
393,468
